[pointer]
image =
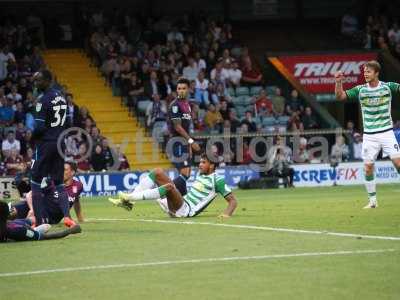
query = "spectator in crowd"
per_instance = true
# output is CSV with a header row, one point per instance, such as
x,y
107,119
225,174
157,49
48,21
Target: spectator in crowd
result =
x,y
14,96
224,110
250,75
294,103
135,90
234,121
213,118
10,143
357,147
235,74
123,161
309,120
107,152
175,35
157,118
96,136
14,163
295,123
98,160
191,71
83,164
248,120
219,74
84,115
262,103
301,154
19,114
278,102
349,24
6,112
152,86
72,111
340,151
201,90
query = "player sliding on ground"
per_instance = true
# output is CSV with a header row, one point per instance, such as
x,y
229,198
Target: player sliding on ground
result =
x,y
375,98
203,191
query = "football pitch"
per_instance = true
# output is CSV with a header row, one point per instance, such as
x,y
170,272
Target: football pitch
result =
x,y
301,243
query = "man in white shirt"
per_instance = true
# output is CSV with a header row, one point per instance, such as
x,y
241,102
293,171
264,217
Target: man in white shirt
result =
x,y
219,74
235,74
201,90
190,71
10,144
357,146
14,95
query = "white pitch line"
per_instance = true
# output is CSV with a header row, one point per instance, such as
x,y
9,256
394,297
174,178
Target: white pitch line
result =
x,y
194,261
377,237
265,228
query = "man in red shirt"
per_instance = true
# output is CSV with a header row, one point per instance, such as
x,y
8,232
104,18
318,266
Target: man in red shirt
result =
x,y
250,76
263,104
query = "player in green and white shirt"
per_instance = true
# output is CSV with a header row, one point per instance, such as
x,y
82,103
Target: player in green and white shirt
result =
x,y
375,98
204,190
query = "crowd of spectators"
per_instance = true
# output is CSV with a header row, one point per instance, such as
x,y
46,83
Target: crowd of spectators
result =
x,y
378,31
20,58
142,59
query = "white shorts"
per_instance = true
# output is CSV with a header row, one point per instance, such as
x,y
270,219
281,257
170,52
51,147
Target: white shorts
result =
x,y
373,143
182,212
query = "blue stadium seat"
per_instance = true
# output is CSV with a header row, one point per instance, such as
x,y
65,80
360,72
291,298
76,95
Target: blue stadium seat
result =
x,y
271,90
269,121
142,106
242,91
283,120
231,92
255,90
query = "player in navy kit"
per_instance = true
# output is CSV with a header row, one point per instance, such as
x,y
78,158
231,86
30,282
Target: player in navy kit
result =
x,y
22,230
50,122
180,121
52,210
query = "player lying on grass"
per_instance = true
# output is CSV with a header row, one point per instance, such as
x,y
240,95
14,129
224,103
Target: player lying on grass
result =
x,y
22,230
203,191
54,208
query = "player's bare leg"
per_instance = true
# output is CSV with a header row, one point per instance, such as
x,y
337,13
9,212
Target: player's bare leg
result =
x,y
370,185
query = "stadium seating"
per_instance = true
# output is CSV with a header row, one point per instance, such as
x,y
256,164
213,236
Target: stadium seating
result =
x,y
72,69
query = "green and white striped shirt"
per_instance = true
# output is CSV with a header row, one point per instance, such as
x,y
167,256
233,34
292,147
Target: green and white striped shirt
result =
x,y
375,105
204,190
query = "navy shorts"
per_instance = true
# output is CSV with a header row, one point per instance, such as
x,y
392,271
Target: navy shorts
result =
x,y
47,162
52,213
180,157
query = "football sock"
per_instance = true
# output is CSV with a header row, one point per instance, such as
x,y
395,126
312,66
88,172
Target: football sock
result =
x,y
149,194
146,182
63,200
370,185
37,202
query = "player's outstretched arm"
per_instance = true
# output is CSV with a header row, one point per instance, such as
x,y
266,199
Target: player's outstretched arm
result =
x,y
78,211
232,204
339,91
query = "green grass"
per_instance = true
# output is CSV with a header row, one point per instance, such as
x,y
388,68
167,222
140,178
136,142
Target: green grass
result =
x,y
131,241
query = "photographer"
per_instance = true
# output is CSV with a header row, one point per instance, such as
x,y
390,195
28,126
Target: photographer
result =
x,y
279,161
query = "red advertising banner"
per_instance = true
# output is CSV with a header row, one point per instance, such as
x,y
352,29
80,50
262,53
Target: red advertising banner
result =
x,y
316,72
